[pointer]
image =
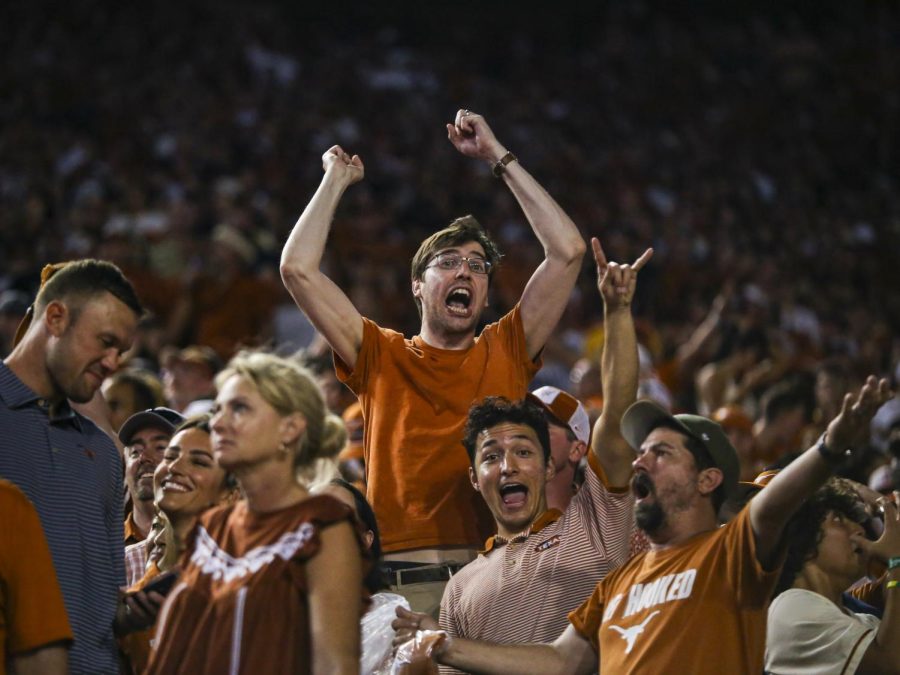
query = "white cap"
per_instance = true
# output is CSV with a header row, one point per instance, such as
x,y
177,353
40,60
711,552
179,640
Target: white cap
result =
x,y
566,409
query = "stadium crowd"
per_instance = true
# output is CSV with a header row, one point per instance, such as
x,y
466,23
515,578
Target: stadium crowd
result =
x,y
654,373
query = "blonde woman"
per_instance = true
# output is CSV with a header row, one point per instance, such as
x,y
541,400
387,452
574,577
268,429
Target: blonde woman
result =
x,y
272,583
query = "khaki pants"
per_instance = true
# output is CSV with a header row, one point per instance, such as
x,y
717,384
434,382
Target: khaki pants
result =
x,y
423,585
423,597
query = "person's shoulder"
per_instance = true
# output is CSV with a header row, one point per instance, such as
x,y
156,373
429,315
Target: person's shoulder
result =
x,y
325,509
135,548
795,595
512,318
797,604
373,329
630,566
12,498
94,434
218,516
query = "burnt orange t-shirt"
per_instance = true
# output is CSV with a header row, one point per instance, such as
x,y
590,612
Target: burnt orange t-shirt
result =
x,y
696,608
415,399
32,613
240,605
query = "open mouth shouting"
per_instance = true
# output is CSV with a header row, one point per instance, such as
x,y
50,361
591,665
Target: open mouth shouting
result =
x,y
641,486
513,495
459,301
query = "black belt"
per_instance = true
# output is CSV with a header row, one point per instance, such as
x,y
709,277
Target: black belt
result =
x,y
423,573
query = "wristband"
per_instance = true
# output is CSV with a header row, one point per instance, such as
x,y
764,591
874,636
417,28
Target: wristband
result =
x,y
500,167
893,563
893,583
827,454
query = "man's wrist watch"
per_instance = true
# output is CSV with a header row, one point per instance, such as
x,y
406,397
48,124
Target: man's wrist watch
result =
x,y
499,167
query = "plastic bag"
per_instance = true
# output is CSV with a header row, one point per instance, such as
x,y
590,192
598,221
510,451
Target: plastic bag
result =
x,y
414,656
377,634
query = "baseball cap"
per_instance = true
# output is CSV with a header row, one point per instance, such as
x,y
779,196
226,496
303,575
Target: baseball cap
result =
x,y
565,409
645,416
156,418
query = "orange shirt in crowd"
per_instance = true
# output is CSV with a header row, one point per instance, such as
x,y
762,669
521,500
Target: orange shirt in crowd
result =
x,y
698,608
32,613
415,400
241,603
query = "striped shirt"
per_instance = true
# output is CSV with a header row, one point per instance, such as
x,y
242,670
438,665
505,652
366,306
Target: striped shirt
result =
x,y
72,473
521,590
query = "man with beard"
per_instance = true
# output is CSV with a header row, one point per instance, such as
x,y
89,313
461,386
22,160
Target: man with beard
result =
x,y
415,393
696,601
84,318
145,436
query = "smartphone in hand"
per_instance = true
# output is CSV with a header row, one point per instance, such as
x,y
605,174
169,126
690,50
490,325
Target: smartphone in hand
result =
x,y
162,584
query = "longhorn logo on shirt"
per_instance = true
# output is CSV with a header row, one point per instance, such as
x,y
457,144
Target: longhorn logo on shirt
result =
x,y
630,634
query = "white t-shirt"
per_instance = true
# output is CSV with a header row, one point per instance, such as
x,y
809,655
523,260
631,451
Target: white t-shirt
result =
x,y
809,634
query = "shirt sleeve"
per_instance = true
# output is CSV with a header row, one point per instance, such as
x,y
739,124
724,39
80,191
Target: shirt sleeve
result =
x,y
752,583
33,605
448,619
809,633
587,618
356,375
511,331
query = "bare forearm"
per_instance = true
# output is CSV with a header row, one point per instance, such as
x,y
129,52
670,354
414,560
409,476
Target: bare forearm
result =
x,y
619,363
554,229
303,250
491,659
889,631
690,352
882,656
772,508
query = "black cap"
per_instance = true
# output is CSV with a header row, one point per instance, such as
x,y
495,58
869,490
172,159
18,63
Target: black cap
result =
x,y
154,418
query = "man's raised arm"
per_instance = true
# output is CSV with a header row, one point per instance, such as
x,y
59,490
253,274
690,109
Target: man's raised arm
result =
x,y
547,292
326,305
619,363
772,507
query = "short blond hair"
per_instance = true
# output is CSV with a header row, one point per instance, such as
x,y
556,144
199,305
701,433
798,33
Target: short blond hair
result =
x,y
290,388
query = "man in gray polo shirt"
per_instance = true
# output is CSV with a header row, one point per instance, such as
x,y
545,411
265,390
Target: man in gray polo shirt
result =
x,y
83,319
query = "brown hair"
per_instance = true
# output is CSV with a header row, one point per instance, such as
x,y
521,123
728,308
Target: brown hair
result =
x,y
458,232
81,279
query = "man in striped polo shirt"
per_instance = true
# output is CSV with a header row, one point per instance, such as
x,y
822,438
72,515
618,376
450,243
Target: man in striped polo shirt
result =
x,y
542,562
696,601
84,318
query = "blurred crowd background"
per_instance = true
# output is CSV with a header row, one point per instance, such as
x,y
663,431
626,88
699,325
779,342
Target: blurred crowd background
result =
x,y
755,149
